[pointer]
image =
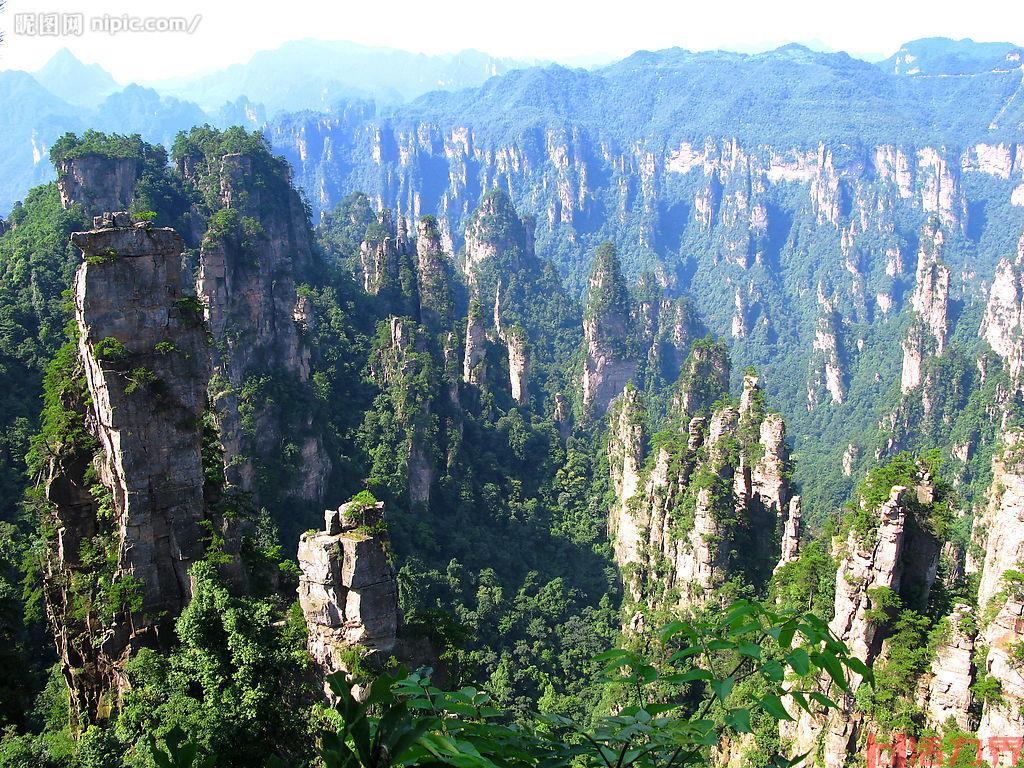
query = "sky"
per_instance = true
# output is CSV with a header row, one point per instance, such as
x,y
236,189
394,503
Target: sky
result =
x,y
230,31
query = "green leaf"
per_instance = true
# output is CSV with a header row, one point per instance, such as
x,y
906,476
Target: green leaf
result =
x,y
799,661
739,720
723,688
834,668
750,650
801,700
778,761
614,653
688,676
786,633
686,653
824,700
773,706
670,630
773,671
858,667
738,611
647,673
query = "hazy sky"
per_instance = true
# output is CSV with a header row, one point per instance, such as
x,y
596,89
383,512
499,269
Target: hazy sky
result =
x,y
231,30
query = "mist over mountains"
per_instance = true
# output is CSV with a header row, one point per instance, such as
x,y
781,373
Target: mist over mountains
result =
x,y
939,89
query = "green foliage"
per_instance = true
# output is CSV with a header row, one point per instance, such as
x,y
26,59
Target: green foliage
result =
x,y
191,307
222,224
908,471
180,752
106,256
62,432
343,229
986,688
110,349
159,191
362,500
200,151
113,145
36,264
890,702
608,301
141,378
704,378
719,676
524,622
807,583
15,684
233,684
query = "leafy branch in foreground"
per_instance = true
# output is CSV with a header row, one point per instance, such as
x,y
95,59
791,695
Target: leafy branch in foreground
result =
x,y
746,662
717,674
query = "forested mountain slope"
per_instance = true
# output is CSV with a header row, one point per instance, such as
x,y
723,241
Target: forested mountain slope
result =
x,y
783,193
567,370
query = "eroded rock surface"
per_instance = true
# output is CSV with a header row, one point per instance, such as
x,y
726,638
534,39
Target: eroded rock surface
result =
x,y
98,183
138,496
347,588
715,488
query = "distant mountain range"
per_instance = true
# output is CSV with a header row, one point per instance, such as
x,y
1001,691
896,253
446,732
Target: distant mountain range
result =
x,y
790,95
68,95
941,56
939,89
67,78
315,74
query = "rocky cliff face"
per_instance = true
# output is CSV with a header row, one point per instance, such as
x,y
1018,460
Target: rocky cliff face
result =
x,y
948,695
930,301
474,367
399,367
896,554
789,548
518,363
626,449
701,505
827,375
378,268
1002,638
572,180
257,248
495,231
1000,601
608,366
347,589
668,328
930,398
137,503
515,298
434,277
1003,324
387,267
703,379
749,230
98,182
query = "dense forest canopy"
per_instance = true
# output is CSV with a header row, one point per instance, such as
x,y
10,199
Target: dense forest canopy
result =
x,y
665,413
